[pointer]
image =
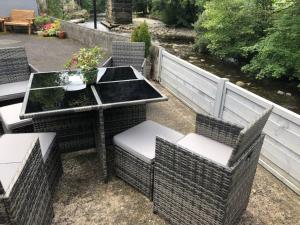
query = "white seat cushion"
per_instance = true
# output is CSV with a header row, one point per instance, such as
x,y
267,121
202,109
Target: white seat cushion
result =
x,y
8,174
10,117
207,148
140,140
13,90
14,147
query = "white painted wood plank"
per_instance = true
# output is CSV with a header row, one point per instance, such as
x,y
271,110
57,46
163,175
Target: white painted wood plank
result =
x,y
192,67
282,135
205,85
174,78
282,157
244,110
201,100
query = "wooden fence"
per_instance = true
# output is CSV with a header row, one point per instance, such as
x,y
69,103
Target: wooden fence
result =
x,y
207,93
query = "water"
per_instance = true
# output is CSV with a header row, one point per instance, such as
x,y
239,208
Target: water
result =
x,y
265,88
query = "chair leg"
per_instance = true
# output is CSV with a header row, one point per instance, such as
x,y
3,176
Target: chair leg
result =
x,y
29,29
4,28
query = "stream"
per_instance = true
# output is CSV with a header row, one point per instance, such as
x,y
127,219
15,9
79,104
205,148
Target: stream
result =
x,y
289,96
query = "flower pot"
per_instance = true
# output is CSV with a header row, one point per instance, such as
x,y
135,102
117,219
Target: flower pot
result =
x,y
90,76
40,33
61,34
45,34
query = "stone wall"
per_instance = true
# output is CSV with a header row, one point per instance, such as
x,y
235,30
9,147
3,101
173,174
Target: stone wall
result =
x,y
91,37
119,11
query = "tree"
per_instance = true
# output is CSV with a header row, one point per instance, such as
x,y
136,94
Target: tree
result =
x,y
141,6
226,27
278,54
177,12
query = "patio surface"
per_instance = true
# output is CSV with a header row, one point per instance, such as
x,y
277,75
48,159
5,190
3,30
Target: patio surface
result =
x,y
81,199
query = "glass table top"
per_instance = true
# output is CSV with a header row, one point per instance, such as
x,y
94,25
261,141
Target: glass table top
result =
x,y
126,91
65,91
40,100
117,74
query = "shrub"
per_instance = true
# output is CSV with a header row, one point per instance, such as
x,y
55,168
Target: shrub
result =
x,y
142,34
40,21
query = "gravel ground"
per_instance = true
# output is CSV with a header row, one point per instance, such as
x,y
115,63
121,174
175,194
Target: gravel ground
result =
x,y
81,199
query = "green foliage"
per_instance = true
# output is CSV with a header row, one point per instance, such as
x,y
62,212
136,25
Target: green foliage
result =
x,y
177,12
55,8
88,5
278,54
141,6
40,21
142,34
87,59
226,27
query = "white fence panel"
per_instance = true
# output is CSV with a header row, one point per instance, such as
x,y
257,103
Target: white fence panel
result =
x,y
199,89
206,92
282,142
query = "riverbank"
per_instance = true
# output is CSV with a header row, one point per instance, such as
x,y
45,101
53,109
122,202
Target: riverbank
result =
x,y
180,42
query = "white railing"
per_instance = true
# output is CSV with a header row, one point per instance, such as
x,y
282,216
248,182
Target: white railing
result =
x,y
207,93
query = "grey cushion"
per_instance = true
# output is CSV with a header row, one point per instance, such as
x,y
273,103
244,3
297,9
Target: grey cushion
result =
x,y
10,117
13,90
207,148
15,147
140,140
8,174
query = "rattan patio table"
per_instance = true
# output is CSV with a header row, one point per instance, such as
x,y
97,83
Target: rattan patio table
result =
x,y
88,116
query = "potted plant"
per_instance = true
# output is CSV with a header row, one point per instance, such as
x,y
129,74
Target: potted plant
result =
x,y
87,59
59,33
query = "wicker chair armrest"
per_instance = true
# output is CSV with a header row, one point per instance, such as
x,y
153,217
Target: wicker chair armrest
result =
x,y
108,62
218,130
6,19
33,69
144,68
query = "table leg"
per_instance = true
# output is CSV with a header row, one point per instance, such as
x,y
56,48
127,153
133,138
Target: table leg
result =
x,y
100,145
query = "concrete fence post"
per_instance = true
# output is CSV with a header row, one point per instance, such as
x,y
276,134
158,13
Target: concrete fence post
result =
x,y
220,98
158,76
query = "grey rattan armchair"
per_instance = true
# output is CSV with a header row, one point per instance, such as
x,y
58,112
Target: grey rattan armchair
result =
x,y
128,54
192,189
14,73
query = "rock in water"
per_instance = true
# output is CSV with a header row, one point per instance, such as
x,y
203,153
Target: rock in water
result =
x,y
240,83
280,92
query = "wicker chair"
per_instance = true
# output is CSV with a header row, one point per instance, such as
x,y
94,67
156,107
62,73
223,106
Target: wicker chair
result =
x,y
14,74
190,188
128,54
